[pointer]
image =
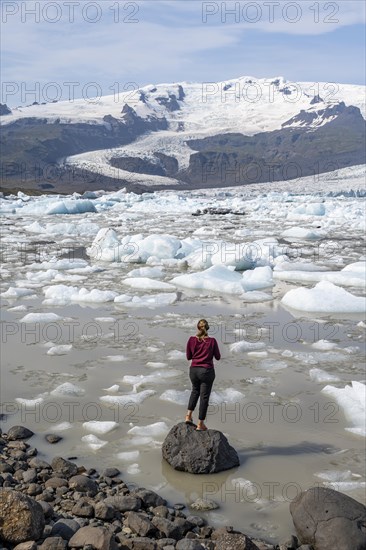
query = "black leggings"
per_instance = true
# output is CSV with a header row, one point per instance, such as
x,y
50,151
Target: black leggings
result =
x,y
202,379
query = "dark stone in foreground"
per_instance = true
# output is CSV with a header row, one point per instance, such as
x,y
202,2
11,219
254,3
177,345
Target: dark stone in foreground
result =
x,y
97,537
21,517
64,467
19,432
65,528
196,452
232,540
329,520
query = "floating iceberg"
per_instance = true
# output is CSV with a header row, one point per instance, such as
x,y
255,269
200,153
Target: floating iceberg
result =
x,y
325,297
352,399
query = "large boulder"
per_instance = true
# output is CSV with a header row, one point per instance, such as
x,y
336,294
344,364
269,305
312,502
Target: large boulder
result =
x,y
327,519
21,517
198,452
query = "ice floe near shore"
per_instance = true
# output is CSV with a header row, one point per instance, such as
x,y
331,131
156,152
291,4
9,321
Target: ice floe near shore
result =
x,y
137,398
99,427
352,275
40,318
62,295
325,297
221,278
352,400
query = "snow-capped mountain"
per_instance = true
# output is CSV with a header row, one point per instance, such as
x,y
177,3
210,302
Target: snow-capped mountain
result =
x,y
186,135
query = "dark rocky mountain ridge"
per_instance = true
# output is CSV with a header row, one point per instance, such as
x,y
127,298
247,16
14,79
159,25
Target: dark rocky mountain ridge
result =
x,y
321,138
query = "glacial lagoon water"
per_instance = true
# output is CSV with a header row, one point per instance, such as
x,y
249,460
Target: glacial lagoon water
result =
x,y
120,362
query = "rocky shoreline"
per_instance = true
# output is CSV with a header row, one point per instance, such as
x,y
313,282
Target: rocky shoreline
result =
x,y
62,505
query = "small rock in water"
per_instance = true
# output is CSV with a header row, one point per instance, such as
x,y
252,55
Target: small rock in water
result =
x,y
53,438
204,504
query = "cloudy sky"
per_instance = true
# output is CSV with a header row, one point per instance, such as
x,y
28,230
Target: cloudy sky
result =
x,y
75,48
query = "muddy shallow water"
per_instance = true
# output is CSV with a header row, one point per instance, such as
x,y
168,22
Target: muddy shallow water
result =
x,y
283,439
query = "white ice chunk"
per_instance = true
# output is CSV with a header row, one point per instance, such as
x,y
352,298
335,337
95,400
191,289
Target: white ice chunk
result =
x,y
257,354
176,355
128,455
159,377
115,358
68,389
289,265
69,206
308,209
335,475
112,389
302,233
122,298
319,375
15,292
344,486
29,402
40,318
155,430
352,399
18,308
147,284
352,275
247,487
62,295
179,397
255,296
93,441
325,297
137,398
64,264
243,346
217,278
147,300
324,345
226,396
86,229
98,427
260,277
151,272
356,267
133,469
59,350
271,365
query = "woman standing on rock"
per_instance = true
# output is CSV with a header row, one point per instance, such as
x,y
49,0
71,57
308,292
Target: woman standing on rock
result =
x,y
201,349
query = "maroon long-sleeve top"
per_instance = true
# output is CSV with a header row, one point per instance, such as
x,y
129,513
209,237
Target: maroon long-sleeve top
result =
x,y
202,352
